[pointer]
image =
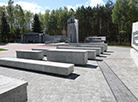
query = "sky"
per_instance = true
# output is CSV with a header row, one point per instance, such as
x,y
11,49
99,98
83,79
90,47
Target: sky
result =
x,y
37,6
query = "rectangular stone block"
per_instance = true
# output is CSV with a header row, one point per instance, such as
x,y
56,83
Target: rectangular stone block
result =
x,y
44,50
91,53
29,54
94,44
91,46
134,55
12,90
98,50
103,44
42,66
78,57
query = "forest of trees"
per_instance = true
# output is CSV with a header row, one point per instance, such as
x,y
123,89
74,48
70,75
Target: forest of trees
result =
x,y
113,20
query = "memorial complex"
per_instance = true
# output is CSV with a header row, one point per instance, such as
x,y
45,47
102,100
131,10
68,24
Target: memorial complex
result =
x,y
55,71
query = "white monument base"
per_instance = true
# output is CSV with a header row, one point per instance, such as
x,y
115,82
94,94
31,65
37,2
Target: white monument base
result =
x,y
134,55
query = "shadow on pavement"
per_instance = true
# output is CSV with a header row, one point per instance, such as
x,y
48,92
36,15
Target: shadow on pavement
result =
x,y
110,51
88,66
72,76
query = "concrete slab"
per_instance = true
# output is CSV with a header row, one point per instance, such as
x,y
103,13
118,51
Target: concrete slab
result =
x,y
95,46
42,66
29,54
78,57
95,43
98,50
121,93
134,55
44,50
122,64
102,46
91,53
12,90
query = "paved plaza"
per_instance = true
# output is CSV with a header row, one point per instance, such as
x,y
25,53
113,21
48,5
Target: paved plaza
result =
x,y
112,77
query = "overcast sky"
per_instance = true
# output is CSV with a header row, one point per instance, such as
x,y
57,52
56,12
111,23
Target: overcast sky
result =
x,y
37,6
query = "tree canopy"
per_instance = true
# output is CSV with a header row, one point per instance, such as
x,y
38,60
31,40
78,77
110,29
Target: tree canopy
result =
x,y
111,20
36,24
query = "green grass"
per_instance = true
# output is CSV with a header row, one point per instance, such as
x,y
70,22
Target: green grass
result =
x,y
122,46
2,49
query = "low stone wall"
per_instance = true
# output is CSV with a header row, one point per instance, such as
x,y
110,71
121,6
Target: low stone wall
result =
x,y
42,66
78,57
91,46
91,53
29,54
134,54
12,90
44,50
104,44
98,50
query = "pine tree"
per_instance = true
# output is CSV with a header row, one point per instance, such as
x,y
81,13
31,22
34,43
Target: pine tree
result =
x,y
36,24
5,29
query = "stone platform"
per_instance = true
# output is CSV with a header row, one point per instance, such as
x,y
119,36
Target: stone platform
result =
x,y
85,84
12,90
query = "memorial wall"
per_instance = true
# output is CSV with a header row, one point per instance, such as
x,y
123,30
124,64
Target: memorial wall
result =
x,y
134,43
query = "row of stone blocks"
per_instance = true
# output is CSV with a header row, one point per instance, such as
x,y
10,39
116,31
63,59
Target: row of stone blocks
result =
x,y
102,45
93,49
12,90
78,57
18,93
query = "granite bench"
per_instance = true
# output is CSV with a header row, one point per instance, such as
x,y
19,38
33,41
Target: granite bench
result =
x,y
12,90
104,44
96,44
36,65
98,50
93,46
29,54
44,50
91,53
78,57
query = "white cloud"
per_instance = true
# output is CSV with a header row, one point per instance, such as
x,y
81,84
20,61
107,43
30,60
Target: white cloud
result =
x,y
33,7
3,4
79,5
95,2
74,7
69,7
88,3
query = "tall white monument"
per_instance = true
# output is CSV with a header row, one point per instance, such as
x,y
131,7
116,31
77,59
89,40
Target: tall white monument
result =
x,y
134,43
73,30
